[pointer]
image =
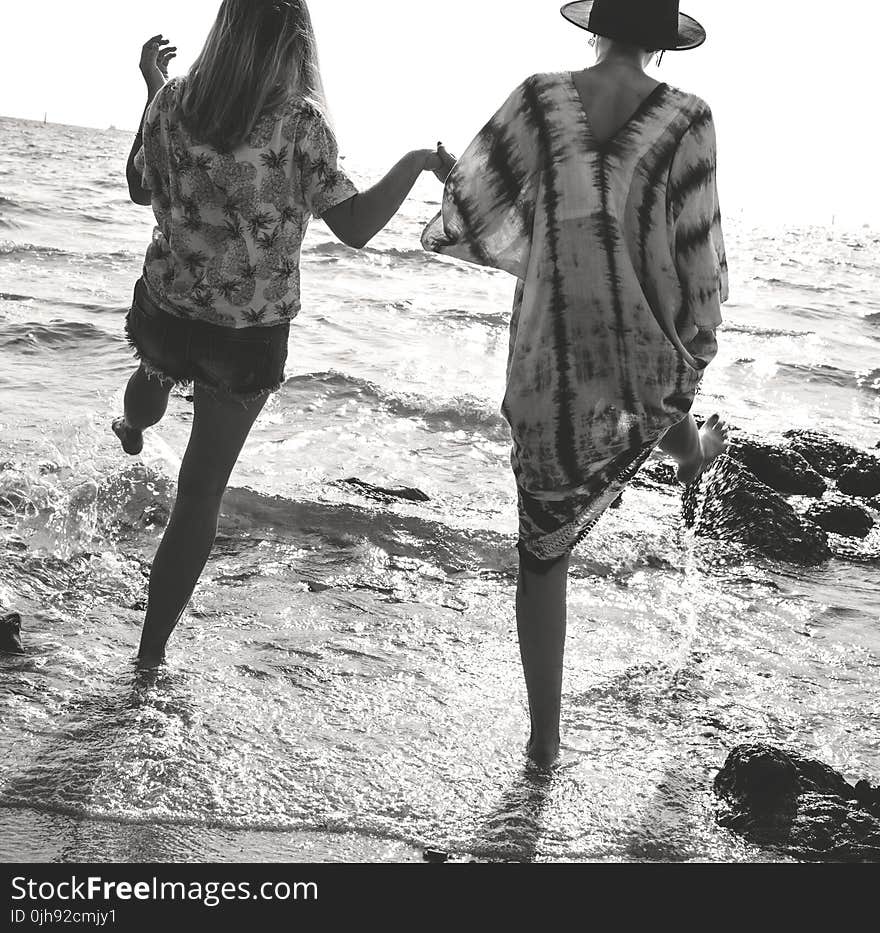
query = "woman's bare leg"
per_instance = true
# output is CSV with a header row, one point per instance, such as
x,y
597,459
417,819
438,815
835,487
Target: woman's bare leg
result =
x,y
541,615
146,401
219,432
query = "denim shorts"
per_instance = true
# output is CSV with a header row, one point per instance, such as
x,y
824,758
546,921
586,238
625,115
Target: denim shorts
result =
x,y
246,364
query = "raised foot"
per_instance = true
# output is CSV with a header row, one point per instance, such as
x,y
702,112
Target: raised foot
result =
x,y
131,439
713,443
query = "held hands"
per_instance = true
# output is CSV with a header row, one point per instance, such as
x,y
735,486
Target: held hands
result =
x,y
155,57
439,162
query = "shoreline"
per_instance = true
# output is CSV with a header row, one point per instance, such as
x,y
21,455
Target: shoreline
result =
x,y
36,836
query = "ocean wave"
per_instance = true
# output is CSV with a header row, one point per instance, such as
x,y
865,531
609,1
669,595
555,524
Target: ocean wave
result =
x,y
355,825
765,331
333,249
11,248
500,319
462,413
8,202
55,335
315,524
61,303
823,374
73,515
800,286
332,252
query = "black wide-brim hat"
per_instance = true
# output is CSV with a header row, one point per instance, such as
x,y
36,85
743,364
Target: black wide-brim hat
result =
x,y
649,24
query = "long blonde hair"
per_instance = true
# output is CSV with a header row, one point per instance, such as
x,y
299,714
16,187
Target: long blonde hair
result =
x,y
259,53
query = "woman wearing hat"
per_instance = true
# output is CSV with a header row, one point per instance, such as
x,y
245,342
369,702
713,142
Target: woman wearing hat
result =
x,y
596,189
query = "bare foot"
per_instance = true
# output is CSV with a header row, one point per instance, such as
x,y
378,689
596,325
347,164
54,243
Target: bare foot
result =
x,y
148,661
713,443
132,441
543,757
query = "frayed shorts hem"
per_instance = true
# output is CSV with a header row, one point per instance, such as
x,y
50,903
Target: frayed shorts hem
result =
x,y
153,371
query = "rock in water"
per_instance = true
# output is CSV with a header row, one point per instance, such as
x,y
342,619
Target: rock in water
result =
x,y
841,518
382,494
781,799
861,479
10,634
857,473
780,468
435,856
824,454
730,504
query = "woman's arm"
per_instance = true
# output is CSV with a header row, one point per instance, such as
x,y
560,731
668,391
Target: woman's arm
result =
x,y
357,220
136,190
154,68
698,240
489,200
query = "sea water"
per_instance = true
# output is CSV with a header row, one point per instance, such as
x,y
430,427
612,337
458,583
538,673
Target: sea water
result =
x,y
346,684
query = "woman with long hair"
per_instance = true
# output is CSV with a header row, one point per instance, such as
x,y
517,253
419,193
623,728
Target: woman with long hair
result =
x,y
597,190
235,159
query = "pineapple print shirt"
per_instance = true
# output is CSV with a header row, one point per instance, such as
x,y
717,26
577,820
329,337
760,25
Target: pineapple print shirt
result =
x,y
620,257
230,226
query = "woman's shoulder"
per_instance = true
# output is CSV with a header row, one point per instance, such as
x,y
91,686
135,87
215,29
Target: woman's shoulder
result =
x,y
302,116
690,105
298,107
173,89
169,95
543,81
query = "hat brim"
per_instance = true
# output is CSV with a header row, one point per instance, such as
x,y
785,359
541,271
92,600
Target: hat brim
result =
x,y
691,34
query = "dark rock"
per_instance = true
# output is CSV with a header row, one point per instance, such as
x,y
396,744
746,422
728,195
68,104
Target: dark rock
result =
x,y
758,775
731,504
841,518
386,495
10,634
780,468
802,806
857,473
436,857
862,479
824,454
867,795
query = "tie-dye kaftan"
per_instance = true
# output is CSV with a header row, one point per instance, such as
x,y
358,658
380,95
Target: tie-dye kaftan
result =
x,y
620,259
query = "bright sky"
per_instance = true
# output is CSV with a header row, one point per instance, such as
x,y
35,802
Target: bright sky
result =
x,y
788,80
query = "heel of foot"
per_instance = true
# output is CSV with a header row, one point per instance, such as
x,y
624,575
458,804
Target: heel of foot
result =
x,y
132,441
689,472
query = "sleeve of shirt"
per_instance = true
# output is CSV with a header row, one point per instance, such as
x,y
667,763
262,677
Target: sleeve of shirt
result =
x,y
489,201
324,183
698,241
150,157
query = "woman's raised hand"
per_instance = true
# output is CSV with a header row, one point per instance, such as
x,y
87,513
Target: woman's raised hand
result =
x,y
155,57
446,163
439,162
